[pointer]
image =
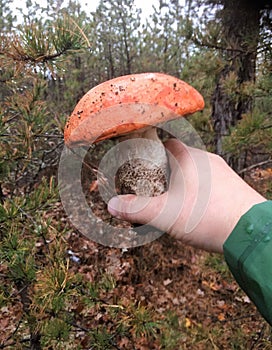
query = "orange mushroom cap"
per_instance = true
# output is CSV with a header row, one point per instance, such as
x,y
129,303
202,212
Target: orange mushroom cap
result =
x,y
128,103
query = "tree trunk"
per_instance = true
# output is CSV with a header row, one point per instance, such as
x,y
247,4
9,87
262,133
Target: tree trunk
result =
x,y
111,70
241,22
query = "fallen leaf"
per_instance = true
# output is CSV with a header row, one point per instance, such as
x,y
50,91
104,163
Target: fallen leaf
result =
x,y
188,322
93,186
167,282
221,317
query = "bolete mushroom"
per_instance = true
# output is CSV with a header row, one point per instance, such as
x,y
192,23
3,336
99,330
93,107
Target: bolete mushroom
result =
x,y
130,107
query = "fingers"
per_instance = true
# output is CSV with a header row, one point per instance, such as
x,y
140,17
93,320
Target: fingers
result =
x,y
135,209
161,211
174,146
179,156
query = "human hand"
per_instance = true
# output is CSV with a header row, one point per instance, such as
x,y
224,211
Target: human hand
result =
x,y
205,199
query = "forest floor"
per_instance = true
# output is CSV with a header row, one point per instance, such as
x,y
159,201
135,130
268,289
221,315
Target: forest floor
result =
x,y
190,293
191,289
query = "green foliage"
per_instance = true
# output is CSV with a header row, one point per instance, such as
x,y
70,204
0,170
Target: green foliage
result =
x,y
141,321
33,249
253,133
44,42
54,287
250,133
18,255
217,263
171,332
6,16
164,46
27,132
116,27
56,330
101,339
107,282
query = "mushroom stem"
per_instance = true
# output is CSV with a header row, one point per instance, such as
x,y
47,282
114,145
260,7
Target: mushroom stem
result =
x,y
144,164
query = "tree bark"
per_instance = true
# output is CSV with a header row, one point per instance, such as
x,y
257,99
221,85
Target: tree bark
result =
x,y
241,23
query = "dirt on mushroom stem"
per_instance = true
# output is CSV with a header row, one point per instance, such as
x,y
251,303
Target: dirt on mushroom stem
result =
x,y
144,169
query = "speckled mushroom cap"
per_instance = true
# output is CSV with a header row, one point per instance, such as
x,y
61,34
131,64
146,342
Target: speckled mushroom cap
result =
x,y
128,103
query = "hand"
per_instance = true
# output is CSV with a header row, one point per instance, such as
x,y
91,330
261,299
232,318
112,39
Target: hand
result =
x,y
205,199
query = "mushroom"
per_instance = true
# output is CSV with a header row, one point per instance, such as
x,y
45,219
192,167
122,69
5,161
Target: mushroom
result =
x,y
129,107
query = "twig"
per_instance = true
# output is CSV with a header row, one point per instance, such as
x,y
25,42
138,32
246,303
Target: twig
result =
x,y
255,166
26,340
30,217
41,58
75,325
94,169
218,47
82,33
53,149
256,340
266,127
39,136
4,345
237,318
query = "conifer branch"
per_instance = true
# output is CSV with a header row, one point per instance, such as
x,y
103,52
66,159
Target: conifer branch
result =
x,y
253,166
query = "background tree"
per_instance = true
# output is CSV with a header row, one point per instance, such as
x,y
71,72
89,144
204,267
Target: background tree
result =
x,y
236,30
6,16
164,46
115,34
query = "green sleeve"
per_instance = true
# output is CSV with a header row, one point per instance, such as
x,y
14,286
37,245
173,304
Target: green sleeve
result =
x,y
248,253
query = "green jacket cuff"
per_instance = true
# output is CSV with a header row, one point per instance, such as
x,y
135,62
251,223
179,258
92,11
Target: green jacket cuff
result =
x,y
248,253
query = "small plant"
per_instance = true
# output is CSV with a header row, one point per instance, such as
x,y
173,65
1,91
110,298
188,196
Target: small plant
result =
x,y
140,321
56,332
171,333
217,263
102,339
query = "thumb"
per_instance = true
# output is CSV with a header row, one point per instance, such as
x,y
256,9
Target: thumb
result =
x,y
135,209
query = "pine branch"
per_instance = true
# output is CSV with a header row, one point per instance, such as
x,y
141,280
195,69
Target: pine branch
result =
x,y
255,166
39,43
217,47
38,136
22,341
6,344
269,126
21,56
